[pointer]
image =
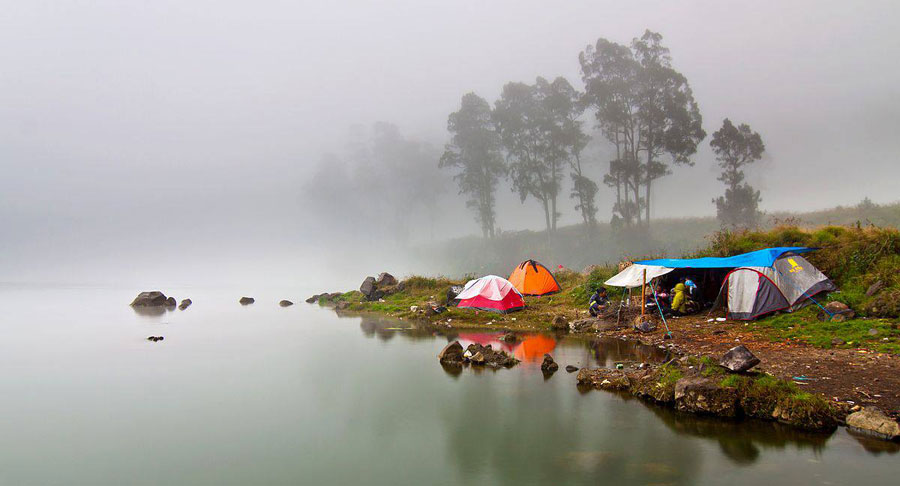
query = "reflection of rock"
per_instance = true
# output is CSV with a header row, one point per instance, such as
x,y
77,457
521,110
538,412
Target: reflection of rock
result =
x,y
875,445
739,359
871,421
150,311
703,395
185,304
285,303
247,300
149,299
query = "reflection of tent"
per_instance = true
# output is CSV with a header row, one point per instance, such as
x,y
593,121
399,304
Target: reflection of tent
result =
x,y
491,293
752,284
534,347
532,278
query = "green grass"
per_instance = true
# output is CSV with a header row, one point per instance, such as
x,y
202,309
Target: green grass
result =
x,y
804,327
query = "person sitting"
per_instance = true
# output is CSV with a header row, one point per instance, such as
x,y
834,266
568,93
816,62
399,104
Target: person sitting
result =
x,y
658,297
692,289
680,300
598,302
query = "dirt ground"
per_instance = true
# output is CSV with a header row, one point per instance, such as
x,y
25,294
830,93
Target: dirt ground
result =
x,y
860,376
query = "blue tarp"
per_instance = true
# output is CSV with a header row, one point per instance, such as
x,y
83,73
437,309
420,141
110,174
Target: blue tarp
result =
x,y
759,258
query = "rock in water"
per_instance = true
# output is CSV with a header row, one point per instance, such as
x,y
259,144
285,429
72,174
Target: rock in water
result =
x,y
185,304
871,421
477,359
385,279
571,369
451,354
171,302
559,323
368,287
739,359
313,299
247,300
548,365
149,299
285,303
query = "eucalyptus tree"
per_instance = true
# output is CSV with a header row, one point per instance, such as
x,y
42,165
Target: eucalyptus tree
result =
x,y
475,150
735,148
646,109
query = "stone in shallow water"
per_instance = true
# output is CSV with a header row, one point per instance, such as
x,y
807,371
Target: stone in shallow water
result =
x,y
452,353
247,300
285,303
148,299
548,365
185,304
873,422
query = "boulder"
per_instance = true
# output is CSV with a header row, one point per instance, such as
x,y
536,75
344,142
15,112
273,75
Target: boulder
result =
x,y
285,303
451,354
368,287
149,299
739,359
185,304
548,365
171,302
871,421
703,395
571,369
559,323
247,300
874,288
385,279
839,309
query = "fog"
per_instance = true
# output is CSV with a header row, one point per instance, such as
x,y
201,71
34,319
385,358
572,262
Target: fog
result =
x,y
178,141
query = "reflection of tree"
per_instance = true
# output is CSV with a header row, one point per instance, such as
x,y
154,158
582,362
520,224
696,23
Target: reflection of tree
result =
x,y
741,441
522,431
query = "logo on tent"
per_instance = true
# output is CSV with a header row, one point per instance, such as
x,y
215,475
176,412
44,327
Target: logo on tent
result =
x,y
794,267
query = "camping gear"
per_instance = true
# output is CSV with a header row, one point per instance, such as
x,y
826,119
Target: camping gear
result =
x,y
491,293
758,283
533,278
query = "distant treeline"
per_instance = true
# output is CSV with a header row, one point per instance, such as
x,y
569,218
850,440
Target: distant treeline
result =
x,y
572,247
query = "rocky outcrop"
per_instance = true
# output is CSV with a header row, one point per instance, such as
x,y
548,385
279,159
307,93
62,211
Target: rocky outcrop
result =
x,y
314,298
150,299
479,355
451,354
704,396
603,379
376,288
247,300
285,303
559,323
342,305
185,304
871,421
739,359
548,365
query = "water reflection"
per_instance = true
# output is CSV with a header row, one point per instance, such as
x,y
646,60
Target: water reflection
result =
x,y
152,311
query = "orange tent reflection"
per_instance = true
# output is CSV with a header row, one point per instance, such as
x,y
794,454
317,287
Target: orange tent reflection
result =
x,y
534,347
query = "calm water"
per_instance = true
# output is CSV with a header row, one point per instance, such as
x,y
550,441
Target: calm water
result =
x,y
269,395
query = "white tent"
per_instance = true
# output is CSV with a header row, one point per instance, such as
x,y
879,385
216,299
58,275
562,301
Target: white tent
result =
x,y
633,276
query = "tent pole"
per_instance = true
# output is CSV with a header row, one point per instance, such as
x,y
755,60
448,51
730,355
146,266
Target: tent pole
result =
x,y
656,299
644,293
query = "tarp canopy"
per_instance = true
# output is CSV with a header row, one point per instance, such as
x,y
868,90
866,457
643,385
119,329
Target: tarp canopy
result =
x,y
759,258
633,276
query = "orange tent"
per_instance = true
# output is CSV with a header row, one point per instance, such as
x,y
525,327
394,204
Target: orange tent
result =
x,y
532,278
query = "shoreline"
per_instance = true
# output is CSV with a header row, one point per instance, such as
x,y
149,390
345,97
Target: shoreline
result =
x,y
774,391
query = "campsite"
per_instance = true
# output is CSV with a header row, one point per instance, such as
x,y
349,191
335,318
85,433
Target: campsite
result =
x,y
772,300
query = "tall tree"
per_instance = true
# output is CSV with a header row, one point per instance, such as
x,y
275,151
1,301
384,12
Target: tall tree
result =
x,y
736,147
646,109
474,149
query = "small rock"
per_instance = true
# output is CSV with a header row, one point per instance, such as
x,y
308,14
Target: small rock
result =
x,y
171,302
477,358
155,338
874,288
838,342
451,354
313,299
247,300
571,369
644,326
148,299
559,323
739,359
836,309
385,279
548,365
871,421
873,332
285,303
185,304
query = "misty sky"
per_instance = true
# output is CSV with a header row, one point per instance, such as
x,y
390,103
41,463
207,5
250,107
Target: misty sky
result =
x,y
203,118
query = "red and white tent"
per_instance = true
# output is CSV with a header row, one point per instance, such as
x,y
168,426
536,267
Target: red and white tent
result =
x,y
491,293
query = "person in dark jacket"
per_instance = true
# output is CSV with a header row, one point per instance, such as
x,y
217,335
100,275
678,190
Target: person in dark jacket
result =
x,y
598,302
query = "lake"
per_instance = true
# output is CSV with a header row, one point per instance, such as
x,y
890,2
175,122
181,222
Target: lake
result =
x,y
261,394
